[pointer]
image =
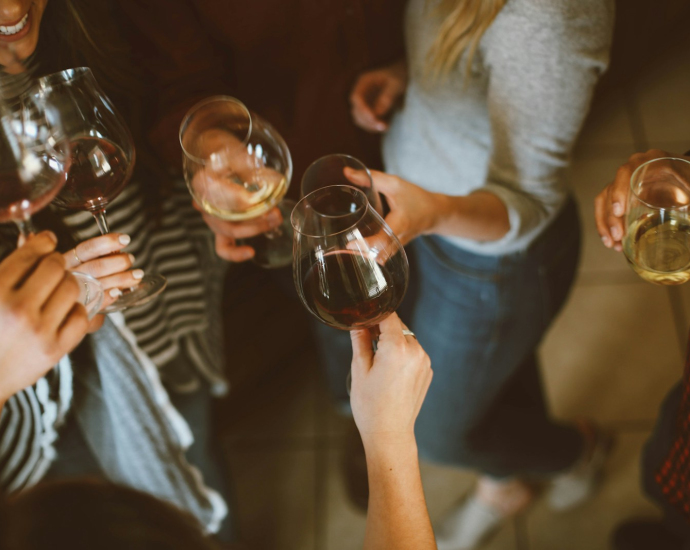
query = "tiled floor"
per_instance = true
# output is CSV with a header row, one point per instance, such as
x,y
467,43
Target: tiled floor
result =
x,y
612,355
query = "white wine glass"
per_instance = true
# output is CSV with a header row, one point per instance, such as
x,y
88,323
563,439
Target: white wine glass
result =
x,y
657,239
237,168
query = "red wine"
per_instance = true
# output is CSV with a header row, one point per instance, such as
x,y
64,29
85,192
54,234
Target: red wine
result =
x,y
347,290
98,172
19,198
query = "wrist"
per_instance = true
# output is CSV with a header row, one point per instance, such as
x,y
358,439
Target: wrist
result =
x,y
442,208
384,447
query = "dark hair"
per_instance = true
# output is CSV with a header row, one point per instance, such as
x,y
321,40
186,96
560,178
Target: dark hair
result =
x,y
91,33
88,515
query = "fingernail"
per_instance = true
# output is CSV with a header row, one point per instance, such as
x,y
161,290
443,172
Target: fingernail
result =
x,y
115,292
131,257
125,239
52,236
617,209
616,233
138,273
606,241
247,254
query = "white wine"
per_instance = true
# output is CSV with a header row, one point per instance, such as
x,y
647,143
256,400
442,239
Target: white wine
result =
x,y
237,201
658,248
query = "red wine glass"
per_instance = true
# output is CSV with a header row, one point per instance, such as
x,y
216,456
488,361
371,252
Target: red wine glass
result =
x,y
102,158
341,170
350,270
34,159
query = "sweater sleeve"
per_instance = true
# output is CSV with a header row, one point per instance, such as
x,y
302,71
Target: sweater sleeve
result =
x,y
544,63
170,43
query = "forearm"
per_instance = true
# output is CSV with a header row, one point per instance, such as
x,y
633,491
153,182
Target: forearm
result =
x,y
397,517
480,216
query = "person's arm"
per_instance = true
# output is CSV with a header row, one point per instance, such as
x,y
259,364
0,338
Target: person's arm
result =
x,y
40,317
542,71
388,389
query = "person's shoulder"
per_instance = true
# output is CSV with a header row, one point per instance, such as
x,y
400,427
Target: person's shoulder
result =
x,y
562,11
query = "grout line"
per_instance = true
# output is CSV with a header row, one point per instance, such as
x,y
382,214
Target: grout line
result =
x,y
521,533
680,317
636,123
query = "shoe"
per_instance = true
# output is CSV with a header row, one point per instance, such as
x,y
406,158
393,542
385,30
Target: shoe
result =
x,y
572,488
645,534
355,470
474,521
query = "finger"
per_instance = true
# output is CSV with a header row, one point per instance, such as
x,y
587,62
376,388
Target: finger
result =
x,y
391,326
18,264
362,352
107,265
385,100
228,250
368,121
95,324
60,303
95,248
73,329
246,229
601,219
359,177
123,279
43,281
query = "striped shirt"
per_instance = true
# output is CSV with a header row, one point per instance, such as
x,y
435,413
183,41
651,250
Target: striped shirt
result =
x,y
185,317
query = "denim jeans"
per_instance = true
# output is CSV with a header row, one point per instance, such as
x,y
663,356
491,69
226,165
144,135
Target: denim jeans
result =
x,y
480,319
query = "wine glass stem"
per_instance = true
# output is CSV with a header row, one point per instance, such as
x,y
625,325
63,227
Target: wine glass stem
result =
x,y
26,228
102,222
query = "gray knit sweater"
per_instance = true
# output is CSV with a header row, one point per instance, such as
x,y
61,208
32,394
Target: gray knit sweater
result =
x,y
510,128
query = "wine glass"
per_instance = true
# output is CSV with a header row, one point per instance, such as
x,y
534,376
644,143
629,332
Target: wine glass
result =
x,y
102,158
238,167
34,159
657,240
341,170
350,270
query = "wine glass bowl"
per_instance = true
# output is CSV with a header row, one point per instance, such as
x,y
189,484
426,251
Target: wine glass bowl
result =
x,y
349,269
102,149
341,169
238,167
657,240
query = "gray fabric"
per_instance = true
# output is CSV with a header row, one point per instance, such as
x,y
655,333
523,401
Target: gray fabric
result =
x,y
125,426
509,128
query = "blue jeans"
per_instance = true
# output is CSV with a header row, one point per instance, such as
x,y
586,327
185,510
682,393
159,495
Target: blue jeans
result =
x,y
480,319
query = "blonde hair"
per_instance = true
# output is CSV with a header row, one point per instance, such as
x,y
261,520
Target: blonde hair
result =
x,y
464,23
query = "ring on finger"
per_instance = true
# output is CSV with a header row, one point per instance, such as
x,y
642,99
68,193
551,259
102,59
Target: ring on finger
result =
x,y
407,332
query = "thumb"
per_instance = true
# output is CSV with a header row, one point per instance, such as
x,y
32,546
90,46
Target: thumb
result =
x,y
362,352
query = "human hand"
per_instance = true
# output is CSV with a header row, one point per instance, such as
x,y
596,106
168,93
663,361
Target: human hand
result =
x,y
413,211
40,316
375,94
389,386
101,257
610,205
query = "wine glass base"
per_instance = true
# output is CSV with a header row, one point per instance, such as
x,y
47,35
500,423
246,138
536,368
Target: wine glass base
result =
x,y
91,293
149,287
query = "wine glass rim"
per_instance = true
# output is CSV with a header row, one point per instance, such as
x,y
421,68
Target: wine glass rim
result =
x,y
637,196
62,77
338,155
365,206
203,103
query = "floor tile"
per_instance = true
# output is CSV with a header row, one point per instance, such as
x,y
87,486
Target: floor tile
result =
x,y
589,526
589,177
612,354
662,93
275,495
608,130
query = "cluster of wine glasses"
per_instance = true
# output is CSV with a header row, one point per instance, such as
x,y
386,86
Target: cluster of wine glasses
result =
x,y
67,144
657,240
